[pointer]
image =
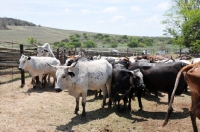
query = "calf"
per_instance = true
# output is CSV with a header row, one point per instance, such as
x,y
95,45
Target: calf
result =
x,y
45,50
192,76
37,66
126,82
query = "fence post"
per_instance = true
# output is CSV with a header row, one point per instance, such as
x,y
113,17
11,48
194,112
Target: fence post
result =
x,y
64,55
57,55
22,71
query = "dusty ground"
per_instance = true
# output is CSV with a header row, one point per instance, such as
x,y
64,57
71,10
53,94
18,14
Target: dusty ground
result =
x,y
28,110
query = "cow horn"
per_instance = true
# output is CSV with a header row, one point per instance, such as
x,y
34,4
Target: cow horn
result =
x,y
73,65
35,45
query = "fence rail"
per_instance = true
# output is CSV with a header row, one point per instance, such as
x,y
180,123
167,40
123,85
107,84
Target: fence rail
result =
x,y
10,53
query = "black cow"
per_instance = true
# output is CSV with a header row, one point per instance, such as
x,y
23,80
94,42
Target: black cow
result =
x,y
161,76
126,82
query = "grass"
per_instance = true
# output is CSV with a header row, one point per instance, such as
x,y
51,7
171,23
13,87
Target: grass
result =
x,y
41,34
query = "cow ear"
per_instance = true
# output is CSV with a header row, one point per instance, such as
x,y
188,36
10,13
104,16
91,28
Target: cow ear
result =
x,y
71,74
29,58
136,70
132,74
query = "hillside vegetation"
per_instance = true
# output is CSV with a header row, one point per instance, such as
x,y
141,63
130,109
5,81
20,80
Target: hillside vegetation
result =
x,y
18,31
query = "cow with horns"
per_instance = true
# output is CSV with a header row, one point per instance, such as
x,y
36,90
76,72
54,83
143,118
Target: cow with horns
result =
x,y
84,75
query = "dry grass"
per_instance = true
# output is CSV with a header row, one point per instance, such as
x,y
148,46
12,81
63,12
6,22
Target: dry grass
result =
x,y
29,110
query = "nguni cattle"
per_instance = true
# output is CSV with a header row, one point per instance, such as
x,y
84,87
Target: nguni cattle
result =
x,y
82,76
126,82
192,76
161,76
37,66
45,50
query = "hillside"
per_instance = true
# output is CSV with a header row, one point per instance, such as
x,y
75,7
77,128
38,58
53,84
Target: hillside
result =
x,y
18,31
4,22
42,34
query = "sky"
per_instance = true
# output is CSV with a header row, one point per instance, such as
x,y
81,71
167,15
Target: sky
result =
x,y
121,17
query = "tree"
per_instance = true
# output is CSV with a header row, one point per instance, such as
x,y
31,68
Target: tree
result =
x,y
191,29
176,17
89,44
113,45
133,43
73,38
31,40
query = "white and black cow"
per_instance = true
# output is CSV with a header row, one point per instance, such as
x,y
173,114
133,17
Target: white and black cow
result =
x,y
85,75
37,66
127,82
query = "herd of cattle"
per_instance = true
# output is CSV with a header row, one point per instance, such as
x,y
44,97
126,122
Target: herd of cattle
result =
x,y
119,78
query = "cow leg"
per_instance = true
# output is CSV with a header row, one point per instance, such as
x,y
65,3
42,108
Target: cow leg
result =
x,y
117,99
125,102
40,81
77,106
49,76
108,86
130,98
44,81
83,113
193,119
54,81
139,96
33,82
84,95
104,96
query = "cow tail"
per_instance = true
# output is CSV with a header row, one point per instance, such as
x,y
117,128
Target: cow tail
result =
x,y
170,109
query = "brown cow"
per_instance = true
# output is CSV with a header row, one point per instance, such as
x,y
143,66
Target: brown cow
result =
x,y
192,76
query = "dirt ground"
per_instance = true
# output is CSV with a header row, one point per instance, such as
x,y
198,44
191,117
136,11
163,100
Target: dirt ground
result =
x,y
34,110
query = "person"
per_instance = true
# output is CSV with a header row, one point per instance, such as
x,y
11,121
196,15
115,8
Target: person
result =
x,y
81,53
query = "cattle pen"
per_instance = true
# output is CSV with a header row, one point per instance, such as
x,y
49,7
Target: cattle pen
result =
x,y
35,110
10,53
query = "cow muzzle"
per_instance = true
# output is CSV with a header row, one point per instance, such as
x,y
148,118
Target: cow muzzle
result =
x,y
20,69
58,89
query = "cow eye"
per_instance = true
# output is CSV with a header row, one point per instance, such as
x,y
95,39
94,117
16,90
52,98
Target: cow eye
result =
x,y
23,61
63,76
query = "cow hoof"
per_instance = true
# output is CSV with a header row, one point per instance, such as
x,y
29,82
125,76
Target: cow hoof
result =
x,y
140,109
76,112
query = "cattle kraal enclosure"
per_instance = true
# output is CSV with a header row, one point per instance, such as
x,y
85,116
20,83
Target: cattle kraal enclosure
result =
x,y
44,110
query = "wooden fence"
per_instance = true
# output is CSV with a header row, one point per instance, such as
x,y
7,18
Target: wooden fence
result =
x,y
10,53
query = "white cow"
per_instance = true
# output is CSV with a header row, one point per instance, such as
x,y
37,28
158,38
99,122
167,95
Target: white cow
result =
x,y
83,76
37,66
45,50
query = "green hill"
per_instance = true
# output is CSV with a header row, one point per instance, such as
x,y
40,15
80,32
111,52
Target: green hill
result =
x,y
18,31
41,34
